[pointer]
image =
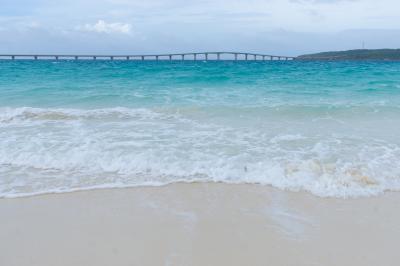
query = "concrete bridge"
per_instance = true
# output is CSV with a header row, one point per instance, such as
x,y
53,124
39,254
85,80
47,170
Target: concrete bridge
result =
x,y
216,56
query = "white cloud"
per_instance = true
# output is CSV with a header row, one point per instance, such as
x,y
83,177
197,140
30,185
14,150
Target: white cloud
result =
x,y
29,25
103,27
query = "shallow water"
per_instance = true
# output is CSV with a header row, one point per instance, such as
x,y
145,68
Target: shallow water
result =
x,y
330,128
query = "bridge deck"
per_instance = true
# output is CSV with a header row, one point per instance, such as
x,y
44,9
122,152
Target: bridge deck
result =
x,y
174,56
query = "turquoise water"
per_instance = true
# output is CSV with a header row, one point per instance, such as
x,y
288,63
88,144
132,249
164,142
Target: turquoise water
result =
x,y
330,128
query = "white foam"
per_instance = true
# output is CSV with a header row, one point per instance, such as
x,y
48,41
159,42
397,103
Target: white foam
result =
x,y
63,150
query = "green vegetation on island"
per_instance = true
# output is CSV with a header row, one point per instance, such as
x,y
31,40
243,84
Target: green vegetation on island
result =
x,y
361,54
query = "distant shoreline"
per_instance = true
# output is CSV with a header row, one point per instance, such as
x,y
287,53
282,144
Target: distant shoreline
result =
x,y
360,54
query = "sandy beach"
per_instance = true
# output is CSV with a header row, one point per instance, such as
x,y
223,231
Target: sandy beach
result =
x,y
198,224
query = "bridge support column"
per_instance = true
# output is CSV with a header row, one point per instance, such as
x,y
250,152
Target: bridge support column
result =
x,y
76,58
183,57
112,58
127,58
218,56
206,55
236,57
12,57
194,57
246,57
35,57
142,58
170,57
94,58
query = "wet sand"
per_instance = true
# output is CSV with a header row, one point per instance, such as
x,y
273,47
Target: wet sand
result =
x,y
198,224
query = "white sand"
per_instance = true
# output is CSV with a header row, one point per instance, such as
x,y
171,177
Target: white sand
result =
x,y
198,224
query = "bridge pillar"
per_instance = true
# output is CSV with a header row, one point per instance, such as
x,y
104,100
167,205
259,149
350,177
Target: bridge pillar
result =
x,y
206,55
112,57
246,56
218,56
35,57
94,58
12,57
236,57
128,58
263,57
142,58
156,57
194,57
183,57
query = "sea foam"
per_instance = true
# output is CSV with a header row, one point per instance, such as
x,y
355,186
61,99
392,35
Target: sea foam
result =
x,y
60,150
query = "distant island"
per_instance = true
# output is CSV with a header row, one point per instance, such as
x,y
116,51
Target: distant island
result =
x,y
360,54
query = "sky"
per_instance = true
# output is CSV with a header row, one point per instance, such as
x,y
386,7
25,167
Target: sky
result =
x,y
281,27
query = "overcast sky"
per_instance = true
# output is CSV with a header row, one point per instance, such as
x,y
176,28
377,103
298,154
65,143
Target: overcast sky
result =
x,y
287,27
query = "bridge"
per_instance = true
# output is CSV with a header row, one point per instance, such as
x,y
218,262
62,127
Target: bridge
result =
x,y
216,56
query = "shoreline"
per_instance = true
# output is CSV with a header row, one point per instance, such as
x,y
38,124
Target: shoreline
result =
x,y
199,224
179,183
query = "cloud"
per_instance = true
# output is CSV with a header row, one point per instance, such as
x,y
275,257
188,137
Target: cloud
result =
x,y
29,25
103,27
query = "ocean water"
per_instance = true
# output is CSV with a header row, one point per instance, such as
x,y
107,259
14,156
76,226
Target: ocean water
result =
x,y
328,128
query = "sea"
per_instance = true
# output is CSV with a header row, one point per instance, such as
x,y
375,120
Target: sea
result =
x,y
330,128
